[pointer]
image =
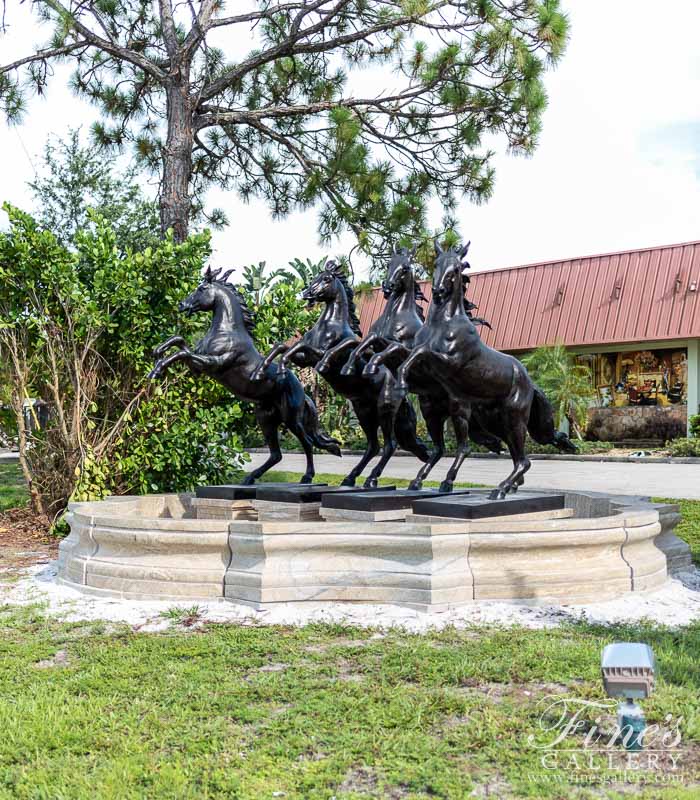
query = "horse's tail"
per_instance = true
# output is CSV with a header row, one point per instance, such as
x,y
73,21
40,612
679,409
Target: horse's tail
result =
x,y
541,424
316,433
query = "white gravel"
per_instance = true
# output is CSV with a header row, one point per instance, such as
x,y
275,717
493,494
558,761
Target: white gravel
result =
x,y
677,603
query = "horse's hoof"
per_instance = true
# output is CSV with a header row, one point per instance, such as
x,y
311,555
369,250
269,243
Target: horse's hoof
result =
x,y
497,494
256,376
321,368
348,482
306,478
415,486
153,374
370,483
249,480
446,486
369,370
346,370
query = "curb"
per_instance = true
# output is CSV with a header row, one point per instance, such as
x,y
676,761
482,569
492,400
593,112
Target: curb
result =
x,y
533,457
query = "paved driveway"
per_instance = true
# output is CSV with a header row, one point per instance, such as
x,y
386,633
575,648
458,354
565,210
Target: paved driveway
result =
x,y
660,480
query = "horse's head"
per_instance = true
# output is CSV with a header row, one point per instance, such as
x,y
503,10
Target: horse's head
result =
x,y
399,276
204,297
324,287
450,271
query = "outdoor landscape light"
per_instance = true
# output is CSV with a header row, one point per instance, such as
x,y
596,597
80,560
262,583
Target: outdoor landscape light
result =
x,y
628,671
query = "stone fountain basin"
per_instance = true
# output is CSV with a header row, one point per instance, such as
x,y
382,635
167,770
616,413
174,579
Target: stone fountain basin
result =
x,y
177,547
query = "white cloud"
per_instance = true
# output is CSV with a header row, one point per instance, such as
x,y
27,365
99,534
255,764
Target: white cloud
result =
x,y
617,165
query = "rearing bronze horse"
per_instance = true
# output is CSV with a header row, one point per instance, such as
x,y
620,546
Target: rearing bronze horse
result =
x,y
472,373
336,332
228,354
391,339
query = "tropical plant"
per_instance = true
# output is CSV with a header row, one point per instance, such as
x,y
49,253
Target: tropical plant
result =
x,y
283,120
77,327
303,272
567,384
256,281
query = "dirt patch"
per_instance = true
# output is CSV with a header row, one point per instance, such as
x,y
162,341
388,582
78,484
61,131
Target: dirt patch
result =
x,y
347,672
364,781
273,668
24,542
59,659
494,786
344,642
518,692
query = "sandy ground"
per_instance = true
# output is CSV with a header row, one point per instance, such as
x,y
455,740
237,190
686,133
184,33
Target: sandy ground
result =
x,y
676,604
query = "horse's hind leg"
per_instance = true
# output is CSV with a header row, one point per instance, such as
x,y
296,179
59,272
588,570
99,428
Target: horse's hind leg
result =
x,y
386,422
367,417
460,422
435,422
269,420
297,429
515,432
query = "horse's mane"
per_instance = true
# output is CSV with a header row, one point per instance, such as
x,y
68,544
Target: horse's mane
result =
x,y
222,280
418,295
337,271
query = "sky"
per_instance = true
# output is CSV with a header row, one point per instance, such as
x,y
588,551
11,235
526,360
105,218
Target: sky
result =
x,y
617,167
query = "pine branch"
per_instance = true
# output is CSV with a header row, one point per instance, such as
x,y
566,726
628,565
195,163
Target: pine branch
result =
x,y
294,45
43,55
114,49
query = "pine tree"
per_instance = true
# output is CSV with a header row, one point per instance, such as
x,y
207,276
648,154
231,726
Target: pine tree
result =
x,y
282,121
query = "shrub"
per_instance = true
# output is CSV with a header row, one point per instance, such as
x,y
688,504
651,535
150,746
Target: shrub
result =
x,y
685,448
77,327
695,425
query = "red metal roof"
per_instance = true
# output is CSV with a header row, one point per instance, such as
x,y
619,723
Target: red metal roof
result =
x,y
614,298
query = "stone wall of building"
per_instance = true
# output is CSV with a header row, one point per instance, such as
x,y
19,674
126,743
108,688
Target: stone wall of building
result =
x,y
613,424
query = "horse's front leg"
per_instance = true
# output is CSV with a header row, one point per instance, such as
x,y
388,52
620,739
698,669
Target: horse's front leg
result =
x,y
416,354
299,347
395,348
163,363
325,363
159,352
259,371
203,362
365,344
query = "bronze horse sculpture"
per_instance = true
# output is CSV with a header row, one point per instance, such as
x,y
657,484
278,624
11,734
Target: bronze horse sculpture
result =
x,y
228,354
371,396
391,339
449,347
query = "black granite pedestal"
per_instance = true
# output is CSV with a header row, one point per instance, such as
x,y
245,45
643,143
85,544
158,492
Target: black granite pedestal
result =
x,y
476,504
239,491
301,503
311,493
378,506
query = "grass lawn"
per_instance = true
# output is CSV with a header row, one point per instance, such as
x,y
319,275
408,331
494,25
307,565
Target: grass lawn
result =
x,y
13,491
95,711
91,710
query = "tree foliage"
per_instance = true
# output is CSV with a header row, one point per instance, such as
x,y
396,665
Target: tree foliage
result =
x,y
265,100
567,384
77,327
76,180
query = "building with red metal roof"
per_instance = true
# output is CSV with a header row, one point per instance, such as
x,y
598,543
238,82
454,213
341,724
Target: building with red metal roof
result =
x,y
634,316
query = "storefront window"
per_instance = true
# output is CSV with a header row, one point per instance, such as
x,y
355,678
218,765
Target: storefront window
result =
x,y
640,378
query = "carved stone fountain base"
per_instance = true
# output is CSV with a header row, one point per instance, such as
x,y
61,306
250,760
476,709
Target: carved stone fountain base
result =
x,y
179,547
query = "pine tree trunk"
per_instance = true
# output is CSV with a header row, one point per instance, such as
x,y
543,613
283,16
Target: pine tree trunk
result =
x,y
177,163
